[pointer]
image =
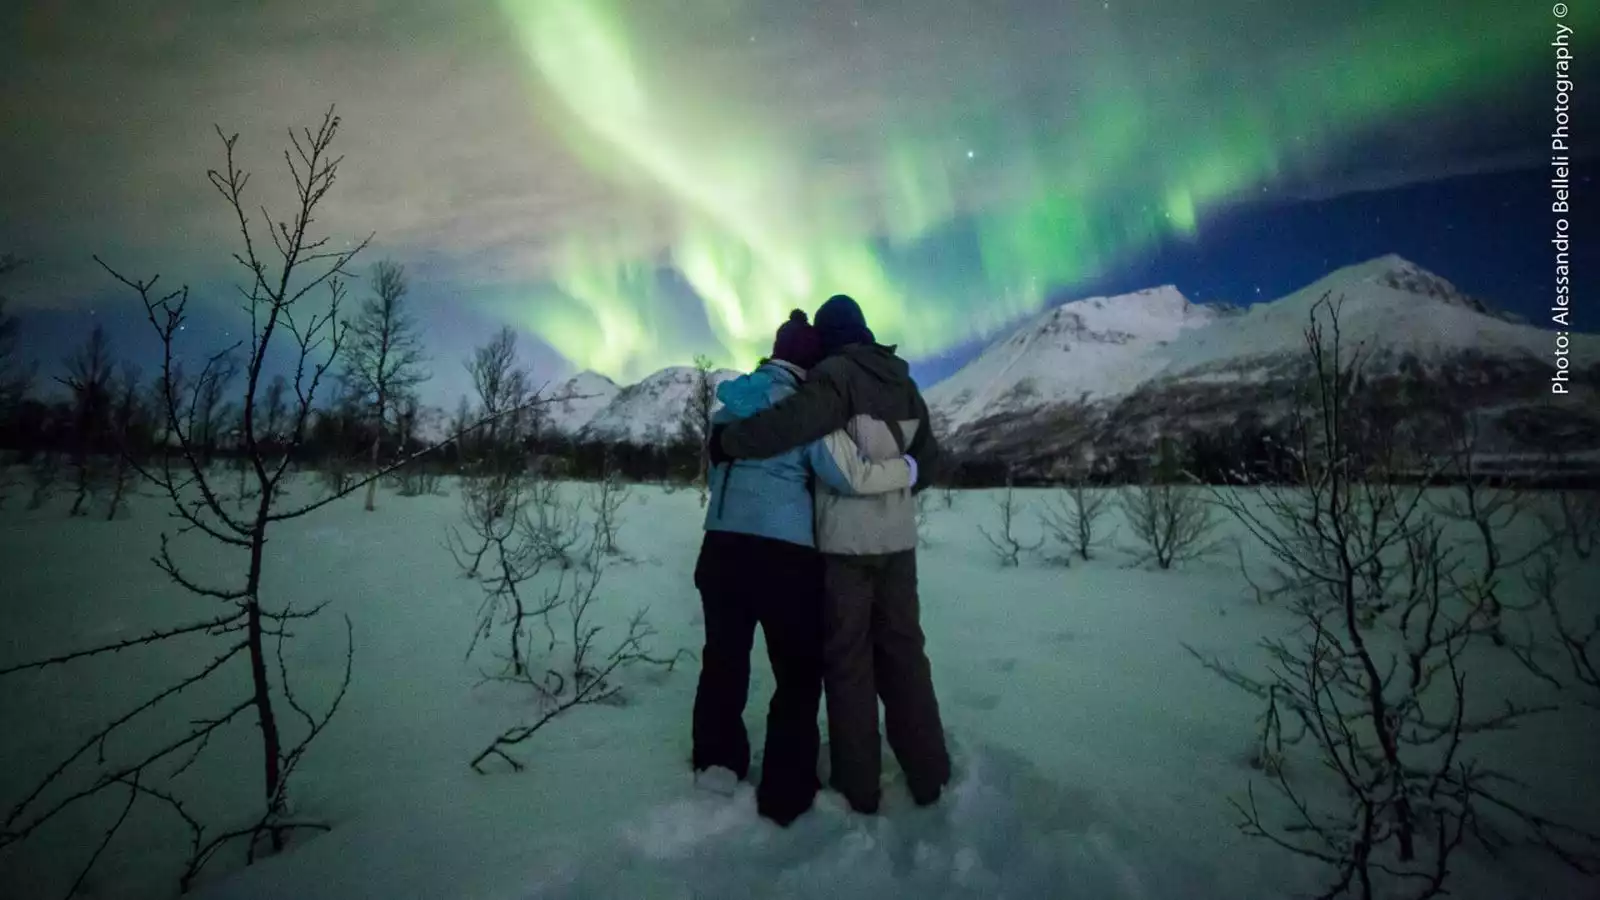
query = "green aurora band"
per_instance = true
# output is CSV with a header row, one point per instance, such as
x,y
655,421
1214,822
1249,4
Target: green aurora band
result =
x,y
759,220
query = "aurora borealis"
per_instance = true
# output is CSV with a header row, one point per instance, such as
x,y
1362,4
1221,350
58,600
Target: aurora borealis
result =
x,y
633,183
1119,150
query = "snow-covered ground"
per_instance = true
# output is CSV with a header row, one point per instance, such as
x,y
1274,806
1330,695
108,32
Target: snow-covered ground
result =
x,y
1095,758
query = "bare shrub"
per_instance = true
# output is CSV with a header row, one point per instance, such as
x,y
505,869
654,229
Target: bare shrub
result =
x,y
517,523
1569,630
588,675
1008,548
1372,685
1071,518
1489,511
1174,523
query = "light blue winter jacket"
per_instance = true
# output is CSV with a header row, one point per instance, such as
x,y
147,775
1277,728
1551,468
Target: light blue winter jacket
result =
x,y
772,497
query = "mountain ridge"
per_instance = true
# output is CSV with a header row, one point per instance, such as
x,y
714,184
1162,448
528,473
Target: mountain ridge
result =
x,y
1108,373
1419,334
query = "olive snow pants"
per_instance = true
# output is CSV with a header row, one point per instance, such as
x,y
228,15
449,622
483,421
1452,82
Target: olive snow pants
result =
x,y
874,649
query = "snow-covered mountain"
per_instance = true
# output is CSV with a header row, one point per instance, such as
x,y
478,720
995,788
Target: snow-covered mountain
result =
x,y
1108,375
650,412
1087,349
1394,308
575,402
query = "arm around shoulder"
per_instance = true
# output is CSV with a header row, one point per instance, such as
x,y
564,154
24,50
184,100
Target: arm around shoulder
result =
x,y
818,407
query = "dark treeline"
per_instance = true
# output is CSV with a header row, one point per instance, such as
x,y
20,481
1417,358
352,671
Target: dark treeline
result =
x,y
109,420
93,428
90,431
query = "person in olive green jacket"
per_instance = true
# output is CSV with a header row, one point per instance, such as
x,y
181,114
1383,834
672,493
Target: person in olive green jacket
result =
x,y
874,646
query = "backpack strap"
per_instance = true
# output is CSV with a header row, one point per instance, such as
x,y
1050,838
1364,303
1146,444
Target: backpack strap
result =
x,y
899,436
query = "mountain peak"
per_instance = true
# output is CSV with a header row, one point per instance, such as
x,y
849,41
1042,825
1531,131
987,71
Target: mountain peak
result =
x,y
572,403
1397,273
650,411
590,376
1093,347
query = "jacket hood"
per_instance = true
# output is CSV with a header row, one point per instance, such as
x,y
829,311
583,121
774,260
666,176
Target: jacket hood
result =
x,y
749,394
880,362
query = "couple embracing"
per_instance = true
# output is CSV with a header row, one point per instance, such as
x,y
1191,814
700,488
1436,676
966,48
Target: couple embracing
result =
x,y
811,534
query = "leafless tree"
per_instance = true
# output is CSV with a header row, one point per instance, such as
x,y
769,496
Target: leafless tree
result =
x,y
608,498
127,427
14,377
503,388
1071,518
463,412
284,263
1008,548
209,410
1373,684
1174,522
422,476
696,426
385,358
89,378
275,418
342,417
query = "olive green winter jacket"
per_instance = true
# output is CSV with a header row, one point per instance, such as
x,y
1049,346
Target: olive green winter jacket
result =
x,y
867,390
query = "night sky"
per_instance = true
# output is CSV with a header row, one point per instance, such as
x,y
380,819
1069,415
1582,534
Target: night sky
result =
x,y
630,183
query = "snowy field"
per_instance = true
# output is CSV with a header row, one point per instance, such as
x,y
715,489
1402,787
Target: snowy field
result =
x,y
1095,757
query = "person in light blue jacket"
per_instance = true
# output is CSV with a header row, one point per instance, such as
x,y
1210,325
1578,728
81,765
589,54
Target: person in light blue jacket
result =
x,y
758,565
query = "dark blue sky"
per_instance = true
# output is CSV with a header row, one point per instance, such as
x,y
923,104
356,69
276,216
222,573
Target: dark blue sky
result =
x,y
1488,234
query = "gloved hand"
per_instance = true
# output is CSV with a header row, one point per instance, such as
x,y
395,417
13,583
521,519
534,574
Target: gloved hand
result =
x,y
912,462
714,447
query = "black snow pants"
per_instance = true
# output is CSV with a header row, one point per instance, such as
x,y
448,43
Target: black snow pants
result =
x,y
874,649
743,581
